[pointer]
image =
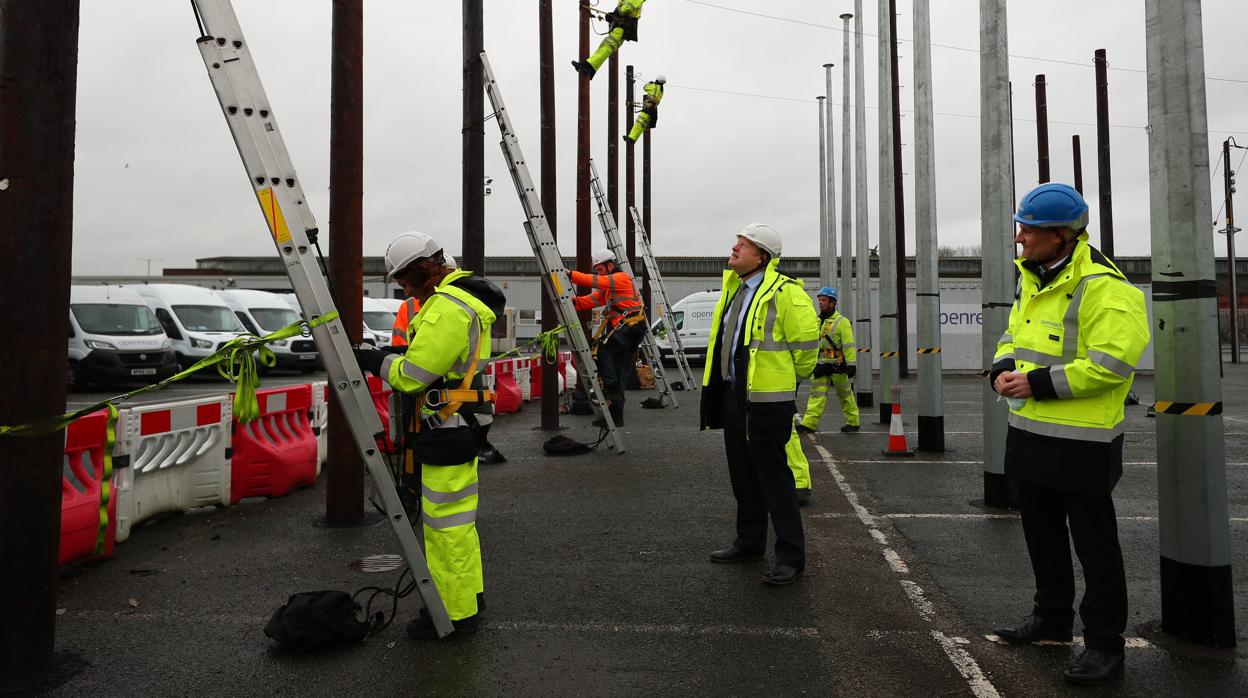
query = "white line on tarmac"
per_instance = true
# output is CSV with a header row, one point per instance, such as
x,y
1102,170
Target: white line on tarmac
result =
x,y
660,629
911,461
962,661
1131,643
983,517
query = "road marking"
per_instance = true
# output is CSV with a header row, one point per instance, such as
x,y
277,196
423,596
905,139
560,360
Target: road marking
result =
x,y
980,517
660,629
910,461
962,660
1131,643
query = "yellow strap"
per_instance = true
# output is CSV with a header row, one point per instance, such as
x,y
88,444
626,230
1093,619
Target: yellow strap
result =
x,y
106,478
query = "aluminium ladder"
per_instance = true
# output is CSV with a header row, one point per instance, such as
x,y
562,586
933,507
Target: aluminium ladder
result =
x,y
665,306
546,251
280,194
606,221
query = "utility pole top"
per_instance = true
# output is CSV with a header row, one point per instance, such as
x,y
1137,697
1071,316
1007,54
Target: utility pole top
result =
x,y
828,65
847,15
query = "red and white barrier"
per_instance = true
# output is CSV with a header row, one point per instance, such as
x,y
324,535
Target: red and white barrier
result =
x,y
382,392
179,459
80,491
277,451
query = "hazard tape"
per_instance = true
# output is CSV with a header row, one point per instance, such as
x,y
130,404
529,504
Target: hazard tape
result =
x,y
888,354
927,350
1188,409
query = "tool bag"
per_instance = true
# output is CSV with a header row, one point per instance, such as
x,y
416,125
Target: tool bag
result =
x,y
311,620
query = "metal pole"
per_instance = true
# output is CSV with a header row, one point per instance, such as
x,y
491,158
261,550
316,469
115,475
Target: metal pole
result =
x,y
473,256
645,202
1229,179
550,196
38,81
823,190
889,300
846,303
613,153
927,293
1078,155
1102,153
344,479
583,237
1197,601
630,178
827,243
1042,129
899,203
864,379
996,235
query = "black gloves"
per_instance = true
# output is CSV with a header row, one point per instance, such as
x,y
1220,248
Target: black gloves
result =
x,y
851,371
370,360
397,349
822,370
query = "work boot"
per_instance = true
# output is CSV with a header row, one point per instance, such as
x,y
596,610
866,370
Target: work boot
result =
x,y
803,429
849,428
584,68
1035,629
1093,668
421,627
490,455
803,496
627,139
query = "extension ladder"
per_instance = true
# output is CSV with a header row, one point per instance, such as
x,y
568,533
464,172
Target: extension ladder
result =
x,y
549,260
606,220
665,307
280,194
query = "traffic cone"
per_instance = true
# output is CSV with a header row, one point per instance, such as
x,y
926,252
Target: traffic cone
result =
x,y
896,431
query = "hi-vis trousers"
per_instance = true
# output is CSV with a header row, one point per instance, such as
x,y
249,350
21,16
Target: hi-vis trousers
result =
x,y
819,399
449,511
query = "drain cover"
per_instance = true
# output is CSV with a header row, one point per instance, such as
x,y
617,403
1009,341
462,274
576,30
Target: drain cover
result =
x,y
377,563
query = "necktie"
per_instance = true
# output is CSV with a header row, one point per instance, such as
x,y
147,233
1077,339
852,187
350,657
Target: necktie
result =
x,y
730,332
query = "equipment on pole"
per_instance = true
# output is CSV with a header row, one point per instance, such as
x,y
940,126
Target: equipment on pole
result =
x,y
606,219
546,251
654,279
267,161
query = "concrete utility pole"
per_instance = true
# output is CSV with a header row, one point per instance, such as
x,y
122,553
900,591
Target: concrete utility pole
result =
x,y
899,201
550,196
1102,153
583,238
1042,130
1228,179
1197,602
344,479
864,379
613,153
38,81
473,256
927,295
823,189
996,234
1078,156
827,244
630,178
846,302
889,300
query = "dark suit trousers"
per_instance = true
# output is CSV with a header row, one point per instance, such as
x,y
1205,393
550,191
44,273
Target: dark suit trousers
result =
x,y
1094,530
763,486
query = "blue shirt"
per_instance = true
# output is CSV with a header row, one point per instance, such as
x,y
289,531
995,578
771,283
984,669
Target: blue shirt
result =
x,y
748,287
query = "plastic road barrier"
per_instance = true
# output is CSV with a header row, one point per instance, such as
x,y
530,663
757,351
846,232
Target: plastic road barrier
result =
x,y
80,491
278,451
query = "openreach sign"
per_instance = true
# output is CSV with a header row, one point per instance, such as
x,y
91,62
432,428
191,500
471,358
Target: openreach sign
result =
x,y
959,319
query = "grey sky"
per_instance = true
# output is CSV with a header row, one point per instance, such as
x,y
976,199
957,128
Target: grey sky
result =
x,y
158,176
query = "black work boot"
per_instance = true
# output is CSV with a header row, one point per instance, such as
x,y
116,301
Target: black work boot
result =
x,y
1035,629
1093,668
584,68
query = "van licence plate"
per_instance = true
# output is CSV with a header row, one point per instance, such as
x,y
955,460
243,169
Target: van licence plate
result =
x,y
307,357
142,371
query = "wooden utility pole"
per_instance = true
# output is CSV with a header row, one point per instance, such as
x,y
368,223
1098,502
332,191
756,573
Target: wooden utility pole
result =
x,y
550,198
1078,155
1042,130
38,83
630,161
583,233
473,256
1102,153
613,153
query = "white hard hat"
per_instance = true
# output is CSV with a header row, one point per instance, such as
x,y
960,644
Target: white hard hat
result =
x,y
450,261
602,257
408,248
764,236
660,78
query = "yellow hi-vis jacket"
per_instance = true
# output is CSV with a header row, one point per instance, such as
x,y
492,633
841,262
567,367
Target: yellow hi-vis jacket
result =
x,y
653,94
1078,339
836,341
451,326
780,331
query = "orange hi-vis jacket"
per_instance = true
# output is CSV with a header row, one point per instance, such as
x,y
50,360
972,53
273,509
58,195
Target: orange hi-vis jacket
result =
x,y
616,291
402,320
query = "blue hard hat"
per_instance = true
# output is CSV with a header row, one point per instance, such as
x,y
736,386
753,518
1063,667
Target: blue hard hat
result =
x,y
1053,206
829,292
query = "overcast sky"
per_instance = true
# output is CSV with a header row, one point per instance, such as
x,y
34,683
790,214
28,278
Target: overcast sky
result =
x,y
157,174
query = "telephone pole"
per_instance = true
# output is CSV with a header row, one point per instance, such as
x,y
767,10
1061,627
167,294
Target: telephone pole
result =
x,y
550,197
1042,130
583,239
1078,156
473,194
1102,153
1228,179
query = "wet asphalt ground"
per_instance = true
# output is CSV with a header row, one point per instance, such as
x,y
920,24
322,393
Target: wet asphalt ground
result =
x,y
598,582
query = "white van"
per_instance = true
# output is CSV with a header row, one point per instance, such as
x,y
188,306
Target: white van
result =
x,y
195,318
261,313
692,315
114,337
378,322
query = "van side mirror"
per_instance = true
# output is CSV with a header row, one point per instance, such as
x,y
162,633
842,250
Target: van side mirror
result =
x,y
166,321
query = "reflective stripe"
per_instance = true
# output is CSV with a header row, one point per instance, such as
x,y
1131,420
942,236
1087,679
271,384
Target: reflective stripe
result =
x,y
847,345
397,334
474,334
440,522
1060,385
1038,358
453,422
1008,355
1065,431
773,345
1006,338
447,497
385,366
1070,322
1112,363
756,396
417,373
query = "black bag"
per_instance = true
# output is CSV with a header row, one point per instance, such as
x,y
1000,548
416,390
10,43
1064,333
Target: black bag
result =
x,y
560,445
581,403
311,620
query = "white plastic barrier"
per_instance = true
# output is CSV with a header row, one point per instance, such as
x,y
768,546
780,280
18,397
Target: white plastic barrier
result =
x,y
178,458
320,420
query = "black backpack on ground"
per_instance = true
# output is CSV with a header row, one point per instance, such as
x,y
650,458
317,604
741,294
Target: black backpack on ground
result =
x,y
311,620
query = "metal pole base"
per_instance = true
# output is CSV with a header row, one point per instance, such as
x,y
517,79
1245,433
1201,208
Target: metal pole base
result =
x,y
1197,604
886,412
866,399
1000,492
932,434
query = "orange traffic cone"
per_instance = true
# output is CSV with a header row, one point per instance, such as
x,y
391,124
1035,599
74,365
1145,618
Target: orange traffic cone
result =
x,y
897,432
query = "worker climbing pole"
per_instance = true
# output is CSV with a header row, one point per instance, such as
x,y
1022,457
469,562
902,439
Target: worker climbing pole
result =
x,y
648,117
622,26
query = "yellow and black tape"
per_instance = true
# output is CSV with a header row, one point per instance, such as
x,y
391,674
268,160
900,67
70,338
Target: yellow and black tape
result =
x,y
1188,409
888,354
927,350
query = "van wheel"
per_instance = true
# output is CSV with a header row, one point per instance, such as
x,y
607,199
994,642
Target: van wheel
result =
x,y
77,381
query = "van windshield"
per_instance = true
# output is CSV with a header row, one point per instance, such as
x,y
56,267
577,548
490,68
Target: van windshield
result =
x,y
207,318
273,319
115,319
379,321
